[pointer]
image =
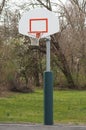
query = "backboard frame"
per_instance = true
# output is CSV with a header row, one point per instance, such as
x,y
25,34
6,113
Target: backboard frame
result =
x,y
38,33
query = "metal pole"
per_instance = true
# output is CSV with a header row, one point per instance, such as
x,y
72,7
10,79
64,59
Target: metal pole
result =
x,y
48,55
48,89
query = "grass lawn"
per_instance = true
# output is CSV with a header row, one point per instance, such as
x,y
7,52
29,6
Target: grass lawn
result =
x,y
69,107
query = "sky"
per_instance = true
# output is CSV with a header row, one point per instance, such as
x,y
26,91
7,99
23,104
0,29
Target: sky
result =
x,y
13,3
20,2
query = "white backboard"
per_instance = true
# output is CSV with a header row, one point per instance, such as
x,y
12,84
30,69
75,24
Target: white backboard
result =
x,y
38,20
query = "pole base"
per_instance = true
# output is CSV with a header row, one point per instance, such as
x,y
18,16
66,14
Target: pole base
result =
x,y
48,98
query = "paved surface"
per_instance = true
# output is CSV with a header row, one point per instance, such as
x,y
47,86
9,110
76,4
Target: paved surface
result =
x,y
40,127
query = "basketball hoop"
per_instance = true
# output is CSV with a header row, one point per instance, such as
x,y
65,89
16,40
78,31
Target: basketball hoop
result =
x,y
41,23
34,41
38,35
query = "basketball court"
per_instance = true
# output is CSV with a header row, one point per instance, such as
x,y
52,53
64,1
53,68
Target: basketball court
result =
x,y
42,23
40,127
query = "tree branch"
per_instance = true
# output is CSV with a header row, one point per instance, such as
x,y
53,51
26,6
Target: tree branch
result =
x,y
46,6
42,3
76,2
2,5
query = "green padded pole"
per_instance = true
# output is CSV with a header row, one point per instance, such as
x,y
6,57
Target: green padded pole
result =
x,y
48,98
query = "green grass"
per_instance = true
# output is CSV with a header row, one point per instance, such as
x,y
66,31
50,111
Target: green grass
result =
x,y
69,107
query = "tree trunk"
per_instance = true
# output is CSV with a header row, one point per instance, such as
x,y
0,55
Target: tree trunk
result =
x,y
2,6
36,77
63,65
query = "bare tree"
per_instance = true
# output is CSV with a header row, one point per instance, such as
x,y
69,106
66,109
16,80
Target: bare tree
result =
x,y
73,37
71,31
63,65
80,4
